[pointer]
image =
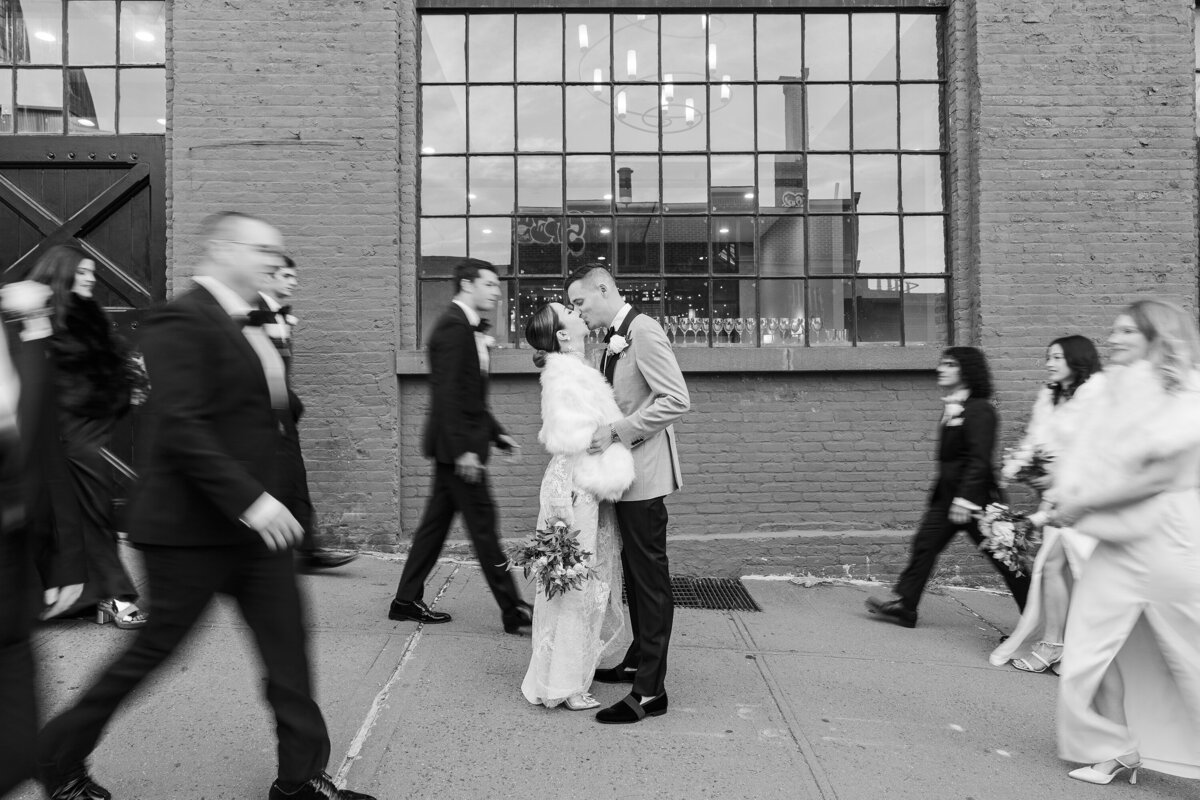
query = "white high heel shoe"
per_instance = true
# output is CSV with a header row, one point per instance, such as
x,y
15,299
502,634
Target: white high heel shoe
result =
x,y
582,702
1093,775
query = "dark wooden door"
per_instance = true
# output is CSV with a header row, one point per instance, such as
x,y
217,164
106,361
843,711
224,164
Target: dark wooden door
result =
x,y
105,194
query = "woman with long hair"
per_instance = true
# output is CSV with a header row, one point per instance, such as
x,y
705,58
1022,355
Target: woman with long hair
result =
x,y
93,392
1130,690
1061,407
572,630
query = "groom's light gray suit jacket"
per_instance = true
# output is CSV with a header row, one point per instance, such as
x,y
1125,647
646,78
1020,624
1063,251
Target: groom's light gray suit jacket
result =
x,y
652,395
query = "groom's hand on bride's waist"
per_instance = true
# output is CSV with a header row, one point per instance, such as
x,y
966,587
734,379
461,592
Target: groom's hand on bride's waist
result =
x,y
602,439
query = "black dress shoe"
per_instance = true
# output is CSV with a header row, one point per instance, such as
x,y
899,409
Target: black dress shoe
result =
x,y
416,611
324,559
79,787
617,674
893,611
319,788
630,709
522,617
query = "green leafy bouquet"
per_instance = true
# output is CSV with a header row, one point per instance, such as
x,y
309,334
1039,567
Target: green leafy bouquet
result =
x,y
554,557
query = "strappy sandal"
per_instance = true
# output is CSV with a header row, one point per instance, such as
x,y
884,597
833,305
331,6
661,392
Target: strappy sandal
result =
x,y
582,702
1026,665
128,619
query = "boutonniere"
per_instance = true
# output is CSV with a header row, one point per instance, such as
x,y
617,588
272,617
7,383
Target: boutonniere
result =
x,y
291,320
617,344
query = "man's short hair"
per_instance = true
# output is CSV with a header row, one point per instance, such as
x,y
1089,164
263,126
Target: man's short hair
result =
x,y
288,263
599,271
468,270
221,224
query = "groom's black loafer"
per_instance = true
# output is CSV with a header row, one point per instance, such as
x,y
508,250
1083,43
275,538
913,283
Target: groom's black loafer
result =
x,y
893,611
417,612
630,710
617,674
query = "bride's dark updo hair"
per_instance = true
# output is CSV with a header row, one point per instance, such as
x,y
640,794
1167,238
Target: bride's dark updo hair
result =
x,y
541,332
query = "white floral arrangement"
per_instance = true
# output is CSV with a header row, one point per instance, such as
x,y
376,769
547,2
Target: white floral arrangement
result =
x,y
617,344
1012,538
1026,463
554,557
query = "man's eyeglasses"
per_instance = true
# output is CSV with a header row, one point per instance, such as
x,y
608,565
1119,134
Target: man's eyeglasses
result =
x,y
265,249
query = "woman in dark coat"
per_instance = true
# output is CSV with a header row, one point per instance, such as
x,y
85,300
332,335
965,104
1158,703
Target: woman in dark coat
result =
x,y
93,392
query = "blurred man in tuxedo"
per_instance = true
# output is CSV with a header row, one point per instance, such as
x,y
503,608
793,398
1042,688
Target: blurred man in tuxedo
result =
x,y
207,517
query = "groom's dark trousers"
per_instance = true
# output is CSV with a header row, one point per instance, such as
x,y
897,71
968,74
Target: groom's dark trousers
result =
x,y
211,447
643,526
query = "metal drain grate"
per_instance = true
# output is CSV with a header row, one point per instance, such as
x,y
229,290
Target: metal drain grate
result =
x,y
712,594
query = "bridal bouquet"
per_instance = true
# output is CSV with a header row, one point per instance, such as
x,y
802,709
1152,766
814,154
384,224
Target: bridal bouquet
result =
x,y
1012,538
555,558
1025,464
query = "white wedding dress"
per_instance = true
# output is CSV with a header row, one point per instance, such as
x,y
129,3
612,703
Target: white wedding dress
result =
x,y
572,632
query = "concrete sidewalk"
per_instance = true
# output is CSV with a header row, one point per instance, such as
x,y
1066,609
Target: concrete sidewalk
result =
x,y
812,698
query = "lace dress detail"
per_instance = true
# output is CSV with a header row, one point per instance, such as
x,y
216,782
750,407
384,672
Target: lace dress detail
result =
x,y
573,631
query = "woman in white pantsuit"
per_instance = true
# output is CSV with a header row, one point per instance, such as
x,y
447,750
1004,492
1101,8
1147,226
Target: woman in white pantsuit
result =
x,y
1130,690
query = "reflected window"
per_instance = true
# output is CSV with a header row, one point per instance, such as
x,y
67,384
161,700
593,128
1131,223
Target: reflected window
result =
x,y
752,179
95,67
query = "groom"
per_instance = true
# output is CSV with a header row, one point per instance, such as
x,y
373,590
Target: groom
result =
x,y
651,393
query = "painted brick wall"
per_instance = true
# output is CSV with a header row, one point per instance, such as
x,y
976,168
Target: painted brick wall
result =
x,y
289,110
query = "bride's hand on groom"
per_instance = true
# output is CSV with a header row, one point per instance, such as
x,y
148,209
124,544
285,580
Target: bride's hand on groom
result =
x,y
601,440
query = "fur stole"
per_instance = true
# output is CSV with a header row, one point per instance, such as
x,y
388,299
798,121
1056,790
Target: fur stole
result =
x,y
575,401
90,361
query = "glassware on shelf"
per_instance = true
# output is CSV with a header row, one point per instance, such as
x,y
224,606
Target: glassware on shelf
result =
x,y
728,325
798,330
705,327
739,328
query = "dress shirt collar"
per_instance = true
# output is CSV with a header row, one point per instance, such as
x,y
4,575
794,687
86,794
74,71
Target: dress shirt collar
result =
x,y
472,314
620,317
229,300
272,304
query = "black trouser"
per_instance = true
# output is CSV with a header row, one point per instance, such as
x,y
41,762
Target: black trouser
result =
x,y
293,476
183,581
643,526
452,494
18,704
933,535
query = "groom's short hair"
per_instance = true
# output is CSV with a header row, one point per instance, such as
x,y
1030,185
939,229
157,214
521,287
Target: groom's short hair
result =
x,y
468,270
597,273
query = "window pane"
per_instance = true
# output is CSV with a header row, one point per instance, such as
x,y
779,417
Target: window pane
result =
x,y
733,184
919,49
830,312
40,100
7,119
143,100
41,42
920,128
646,294
833,243
534,295
685,245
589,183
875,182
878,244
92,99
733,245
780,116
779,40
637,109
875,118
781,245
731,123
589,239
683,50
539,47
829,183
637,183
443,185
635,47
539,184
491,185
443,119
827,47
539,240
828,118
925,316
686,311
589,119
877,311
781,314
587,44
924,244
490,49
435,299
443,244
143,32
922,183
490,238
781,182
443,42
539,118
731,47
492,128
685,184
874,44
683,118
734,313
638,240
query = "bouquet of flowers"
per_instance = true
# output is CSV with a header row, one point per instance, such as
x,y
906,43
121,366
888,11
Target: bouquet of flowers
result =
x,y
1026,464
555,558
1012,538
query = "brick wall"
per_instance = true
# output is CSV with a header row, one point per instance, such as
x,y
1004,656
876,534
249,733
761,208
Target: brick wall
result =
x,y
289,110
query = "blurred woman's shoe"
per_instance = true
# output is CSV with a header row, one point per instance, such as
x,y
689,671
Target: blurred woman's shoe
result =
x,y
1046,661
1102,777
125,616
582,702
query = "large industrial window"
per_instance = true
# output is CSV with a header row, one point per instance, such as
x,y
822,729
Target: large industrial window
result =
x,y
754,179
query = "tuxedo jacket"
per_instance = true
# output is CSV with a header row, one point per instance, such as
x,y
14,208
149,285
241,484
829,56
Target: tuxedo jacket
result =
x,y
966,446
459,418
210,433
653,395
284,347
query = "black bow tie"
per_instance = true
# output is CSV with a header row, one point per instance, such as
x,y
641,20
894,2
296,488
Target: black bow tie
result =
x,y
608,336
484,326
257,318
284,311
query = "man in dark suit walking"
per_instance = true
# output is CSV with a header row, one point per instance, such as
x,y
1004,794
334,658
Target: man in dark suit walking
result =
x,y
206,514
459,434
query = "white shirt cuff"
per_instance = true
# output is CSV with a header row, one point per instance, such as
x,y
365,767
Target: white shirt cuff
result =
x,y
263,509
967,504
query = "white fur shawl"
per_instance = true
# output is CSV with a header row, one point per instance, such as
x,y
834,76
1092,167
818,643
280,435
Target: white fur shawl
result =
x,y
575,401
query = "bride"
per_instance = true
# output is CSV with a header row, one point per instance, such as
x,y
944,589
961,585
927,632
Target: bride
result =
x,y
572,631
